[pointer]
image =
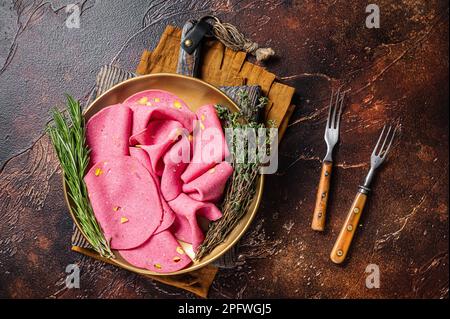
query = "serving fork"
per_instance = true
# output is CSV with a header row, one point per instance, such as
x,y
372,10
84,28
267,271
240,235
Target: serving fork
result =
x,y
331,137
379,153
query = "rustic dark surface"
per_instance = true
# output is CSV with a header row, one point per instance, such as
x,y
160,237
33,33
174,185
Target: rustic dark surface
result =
x,y
398,71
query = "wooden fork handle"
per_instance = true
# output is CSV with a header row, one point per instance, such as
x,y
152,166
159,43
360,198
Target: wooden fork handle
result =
x,y
345,237
320,210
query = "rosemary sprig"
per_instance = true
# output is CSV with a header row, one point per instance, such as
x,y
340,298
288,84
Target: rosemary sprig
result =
x,y
68,137
241,188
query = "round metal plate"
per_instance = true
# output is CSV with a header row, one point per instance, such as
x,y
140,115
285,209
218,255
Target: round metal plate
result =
x,y
195,93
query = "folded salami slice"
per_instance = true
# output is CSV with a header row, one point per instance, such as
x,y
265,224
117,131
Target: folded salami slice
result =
x,y
210,147
157,132
210,185
168,216
143,158
125,200
156,140
143,115
175,162
186,227
161,253
107,132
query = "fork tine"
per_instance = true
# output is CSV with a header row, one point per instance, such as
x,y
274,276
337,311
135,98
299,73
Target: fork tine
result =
x,y
338,119
390,142
336,103
378,142
329,108
380,151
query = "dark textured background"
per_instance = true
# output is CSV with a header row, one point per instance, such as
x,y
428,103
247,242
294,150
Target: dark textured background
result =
x,y
398,71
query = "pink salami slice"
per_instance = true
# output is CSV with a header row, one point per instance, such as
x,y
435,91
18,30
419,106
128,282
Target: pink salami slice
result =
x,y
210,185
183,231
175,162
107,132
161,253
186,227
142,115
157,139
125,201
210,147
168,214
157,98
143,158
157,132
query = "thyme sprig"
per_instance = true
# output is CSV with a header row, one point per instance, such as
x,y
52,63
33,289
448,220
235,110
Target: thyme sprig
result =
x,y
241,187
68,136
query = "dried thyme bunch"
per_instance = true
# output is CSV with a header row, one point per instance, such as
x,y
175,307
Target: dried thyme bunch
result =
x,y
241,187
68,137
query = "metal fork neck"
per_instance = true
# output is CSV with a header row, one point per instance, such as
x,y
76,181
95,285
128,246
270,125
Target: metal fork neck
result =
x,y
369,178
329,156
364,189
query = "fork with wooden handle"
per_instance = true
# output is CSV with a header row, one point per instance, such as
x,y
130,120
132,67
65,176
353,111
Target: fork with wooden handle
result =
x,y
344,240
331,137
